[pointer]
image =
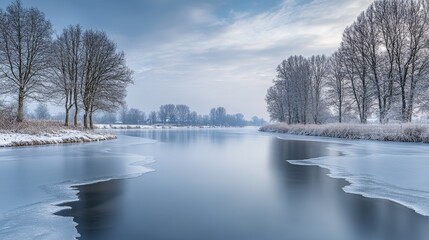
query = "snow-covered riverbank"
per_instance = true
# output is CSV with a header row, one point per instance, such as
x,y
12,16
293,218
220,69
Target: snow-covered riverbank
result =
x,y
63,136
43,132
379,132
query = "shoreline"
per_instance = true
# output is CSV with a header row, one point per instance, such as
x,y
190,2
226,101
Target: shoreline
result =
x,y
12,139
413,133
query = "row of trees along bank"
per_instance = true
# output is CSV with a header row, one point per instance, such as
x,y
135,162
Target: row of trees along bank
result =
x,y
181,115
381,67
80,69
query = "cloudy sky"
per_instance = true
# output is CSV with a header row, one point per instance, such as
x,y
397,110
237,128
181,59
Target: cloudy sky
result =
x,y
207,53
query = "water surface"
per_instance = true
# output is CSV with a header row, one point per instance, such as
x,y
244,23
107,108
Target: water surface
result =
x,y
207,184
237,184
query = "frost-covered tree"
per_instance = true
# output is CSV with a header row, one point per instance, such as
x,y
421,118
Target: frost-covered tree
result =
x,y
193,118
293,89
42,112
25,47
135,116
353,47
167,113
318,71
182,113
153,118
337,84
220,116
67,63
162,114
276,104
212,116
105,75
382,65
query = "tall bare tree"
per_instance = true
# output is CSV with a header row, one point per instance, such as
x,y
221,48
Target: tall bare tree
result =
x,y
182,113
383,57
387,16
417,21
318,71
25,41
291,96
337,83
67,62
275,99
105,75
353,46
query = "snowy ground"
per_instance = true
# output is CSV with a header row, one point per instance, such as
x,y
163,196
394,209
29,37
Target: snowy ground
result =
x,y
379,132
11,139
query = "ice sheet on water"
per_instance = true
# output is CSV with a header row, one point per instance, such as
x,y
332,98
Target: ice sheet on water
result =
x,y
30,214
392,171
37,222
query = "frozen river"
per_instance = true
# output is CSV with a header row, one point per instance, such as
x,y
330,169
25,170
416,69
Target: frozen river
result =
x,y
215,184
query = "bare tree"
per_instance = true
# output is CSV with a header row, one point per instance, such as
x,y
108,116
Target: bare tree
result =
x,y
318,70
182,113
171,113
212,116
25,41
135,116
383,61
276,104
296,96
387,16
193,118
220,116
153,118
42,112
417,53
368,28
105,75
337,82
353,46
67,62
162,114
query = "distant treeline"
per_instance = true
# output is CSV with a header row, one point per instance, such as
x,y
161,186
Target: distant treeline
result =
x,y
78,69
381,69
180,115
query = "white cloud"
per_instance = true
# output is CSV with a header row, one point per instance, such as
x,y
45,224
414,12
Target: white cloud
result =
x,y
203,15
243,50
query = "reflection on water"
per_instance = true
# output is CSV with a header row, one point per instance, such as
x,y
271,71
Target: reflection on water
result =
x,y
184,136
97,208
227,184
326,212
34,179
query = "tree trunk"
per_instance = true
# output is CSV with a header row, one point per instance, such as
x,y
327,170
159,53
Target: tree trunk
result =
x,y
20,114
85,120
76,108
404,104
66,122
91,123
340,113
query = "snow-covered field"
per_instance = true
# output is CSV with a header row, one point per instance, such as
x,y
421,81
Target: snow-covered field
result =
x,y
63,136
43,132
379,132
